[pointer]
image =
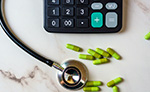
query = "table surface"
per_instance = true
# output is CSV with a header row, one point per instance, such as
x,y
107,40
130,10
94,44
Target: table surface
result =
x,y
19,72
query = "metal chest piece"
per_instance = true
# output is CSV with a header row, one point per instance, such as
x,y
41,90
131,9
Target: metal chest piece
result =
x,y
74,75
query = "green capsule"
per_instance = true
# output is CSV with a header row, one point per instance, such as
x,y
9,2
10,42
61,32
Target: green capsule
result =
x,y
102,52
113,53
100,61
93,53
93,83
91,89
73,47
87,57
114,82
147,36
115,89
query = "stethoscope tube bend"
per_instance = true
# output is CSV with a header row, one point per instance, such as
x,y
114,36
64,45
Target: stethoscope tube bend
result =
x,y
18,42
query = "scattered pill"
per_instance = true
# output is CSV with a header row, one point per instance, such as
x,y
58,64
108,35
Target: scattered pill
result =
x,y
100,61
147,36
115,89
93,83
94,53
87,57
113,82
102,52
73,47
113,53
91,89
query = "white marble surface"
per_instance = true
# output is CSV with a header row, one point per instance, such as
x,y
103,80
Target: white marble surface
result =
x,y
19,72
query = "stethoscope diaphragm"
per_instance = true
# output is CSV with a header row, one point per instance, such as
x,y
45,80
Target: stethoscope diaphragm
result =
x,y
74,76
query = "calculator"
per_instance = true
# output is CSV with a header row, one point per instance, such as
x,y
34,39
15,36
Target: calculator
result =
x,y
83,16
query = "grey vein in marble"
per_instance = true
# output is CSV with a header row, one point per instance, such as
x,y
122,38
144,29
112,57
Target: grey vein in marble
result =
x,y
144,8
23,80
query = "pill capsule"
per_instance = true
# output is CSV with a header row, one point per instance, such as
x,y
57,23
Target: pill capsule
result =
x,y
113,53
100,61
147,36
102,52
93,83
115,89
91,89
73,47
87,57
114,82
93,53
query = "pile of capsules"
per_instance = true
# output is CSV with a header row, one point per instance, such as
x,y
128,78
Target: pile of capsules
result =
x,y
93,85
98,56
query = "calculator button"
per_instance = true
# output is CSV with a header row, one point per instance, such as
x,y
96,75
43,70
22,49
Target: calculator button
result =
x,y
68,11
82,1
111,20
82,11
97,6
111,6
53,11
68,22
97,20
68,2
53,23
82,23
53,2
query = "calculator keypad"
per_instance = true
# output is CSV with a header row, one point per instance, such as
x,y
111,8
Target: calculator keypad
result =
x,y
83,16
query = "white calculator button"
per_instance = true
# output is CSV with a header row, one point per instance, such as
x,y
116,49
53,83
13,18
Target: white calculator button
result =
x,y
111,19
97,6
111,6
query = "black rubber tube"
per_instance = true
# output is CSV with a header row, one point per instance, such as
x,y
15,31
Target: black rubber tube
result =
x,y
18,42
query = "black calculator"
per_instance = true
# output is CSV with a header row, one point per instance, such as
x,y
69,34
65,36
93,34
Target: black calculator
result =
x,y
83,16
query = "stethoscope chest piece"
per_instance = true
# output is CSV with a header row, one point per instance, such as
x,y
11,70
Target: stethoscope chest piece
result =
x,y
74,76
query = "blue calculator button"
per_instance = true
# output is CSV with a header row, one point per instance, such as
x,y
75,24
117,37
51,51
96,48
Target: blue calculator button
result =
x,y
97,20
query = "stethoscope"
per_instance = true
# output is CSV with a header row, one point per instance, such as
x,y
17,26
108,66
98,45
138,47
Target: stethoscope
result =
x,y
72,74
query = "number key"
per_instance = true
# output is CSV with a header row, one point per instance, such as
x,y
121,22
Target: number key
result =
x,y
68,2
82,1
56,2
53,11
53,23
68,22
82,11
68,11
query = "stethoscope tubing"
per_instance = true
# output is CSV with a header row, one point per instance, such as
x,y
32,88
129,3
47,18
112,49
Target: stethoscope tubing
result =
x,y
72,64
18,42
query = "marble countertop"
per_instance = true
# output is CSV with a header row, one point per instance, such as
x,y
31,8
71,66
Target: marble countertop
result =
x,y
19,72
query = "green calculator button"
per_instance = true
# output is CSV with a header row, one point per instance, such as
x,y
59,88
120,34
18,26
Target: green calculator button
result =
x,y
97,20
